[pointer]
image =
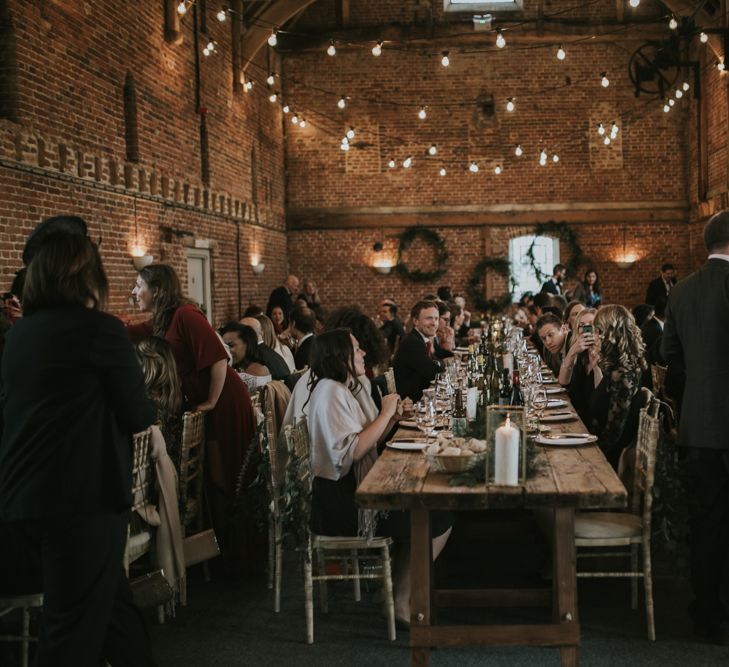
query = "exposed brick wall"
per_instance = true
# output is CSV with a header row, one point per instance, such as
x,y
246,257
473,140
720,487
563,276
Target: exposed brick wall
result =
x,y
67,151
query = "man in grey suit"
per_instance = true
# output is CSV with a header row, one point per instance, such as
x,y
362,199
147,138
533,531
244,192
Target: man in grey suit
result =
x,y
696,334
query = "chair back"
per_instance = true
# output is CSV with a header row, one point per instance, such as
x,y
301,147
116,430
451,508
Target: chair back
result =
x,y
658,377
390,380
192,454
256,405
645,457
297,443
142,476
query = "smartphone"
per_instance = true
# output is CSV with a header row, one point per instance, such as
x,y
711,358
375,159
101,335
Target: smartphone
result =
x,y
587,328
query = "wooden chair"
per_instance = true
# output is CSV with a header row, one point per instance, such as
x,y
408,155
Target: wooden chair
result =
x,y
658,376
25,603
191,481
139,535
630,529
350,548
390,380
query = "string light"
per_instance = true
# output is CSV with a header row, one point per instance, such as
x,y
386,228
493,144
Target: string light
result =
x,y
344,146
295,119
303,122
604,81
442,171
377,49
209,48
342,103
221,15
500,41
510,104
270,80
421,114
248,86
432,150
473,168
720,66
331,49
685,86
673,23
555,158
350,133
634,3
286,108
543,157
497,169
671,103
606,141
182,8
272,97
273,40
666,108
703,38
600,129
407,162
679,93
445,60
614,130
561,55
391,163
518,151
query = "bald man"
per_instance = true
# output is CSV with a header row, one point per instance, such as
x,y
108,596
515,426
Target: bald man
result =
x,y
272,359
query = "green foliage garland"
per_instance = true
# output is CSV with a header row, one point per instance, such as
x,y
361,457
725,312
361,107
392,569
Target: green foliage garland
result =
x,y
564,233
500,265
429,236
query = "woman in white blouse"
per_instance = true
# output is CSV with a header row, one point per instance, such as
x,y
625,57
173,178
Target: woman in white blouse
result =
x,y
344,430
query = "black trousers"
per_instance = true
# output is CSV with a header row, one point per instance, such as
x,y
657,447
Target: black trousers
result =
x,y
88,611
708,494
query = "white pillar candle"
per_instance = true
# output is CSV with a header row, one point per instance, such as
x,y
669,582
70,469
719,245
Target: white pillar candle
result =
x,y
508,361
506,454
471,403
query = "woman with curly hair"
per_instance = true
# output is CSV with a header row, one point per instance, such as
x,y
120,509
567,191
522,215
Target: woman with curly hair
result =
x,y
615,404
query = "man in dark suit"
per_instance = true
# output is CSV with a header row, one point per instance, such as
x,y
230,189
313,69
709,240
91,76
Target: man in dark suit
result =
x,y
662,285
303,321
554,284
392,328
695,334
414,364
282,296
272,359
652,332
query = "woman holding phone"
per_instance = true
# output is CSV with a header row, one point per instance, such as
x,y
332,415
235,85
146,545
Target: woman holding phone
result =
x,y
579,371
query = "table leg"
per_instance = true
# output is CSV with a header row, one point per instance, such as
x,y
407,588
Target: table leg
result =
x,y
565,578
421,571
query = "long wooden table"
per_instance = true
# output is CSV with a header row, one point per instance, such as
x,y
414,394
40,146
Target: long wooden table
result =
x,y
566,479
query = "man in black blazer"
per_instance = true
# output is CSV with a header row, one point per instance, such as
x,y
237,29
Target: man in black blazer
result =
x,y
662,285
392,328
303,322
282,296
554,284
271,359
414,364
695,334
652,332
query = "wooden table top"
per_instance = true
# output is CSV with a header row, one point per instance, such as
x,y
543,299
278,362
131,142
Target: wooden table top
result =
x,y
575,476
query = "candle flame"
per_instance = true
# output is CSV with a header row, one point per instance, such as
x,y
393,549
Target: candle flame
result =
x,y
508,421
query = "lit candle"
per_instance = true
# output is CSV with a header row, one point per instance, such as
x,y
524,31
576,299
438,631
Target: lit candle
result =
x,y
471,403
506,454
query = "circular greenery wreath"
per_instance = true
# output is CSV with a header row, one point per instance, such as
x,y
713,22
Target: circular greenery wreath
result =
x,y
429,236
500,265
564,233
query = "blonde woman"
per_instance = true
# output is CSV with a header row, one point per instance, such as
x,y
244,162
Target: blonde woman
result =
x,y
615,404
271,339
579,371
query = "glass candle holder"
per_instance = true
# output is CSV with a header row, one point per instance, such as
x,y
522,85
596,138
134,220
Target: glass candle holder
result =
x,y
506,435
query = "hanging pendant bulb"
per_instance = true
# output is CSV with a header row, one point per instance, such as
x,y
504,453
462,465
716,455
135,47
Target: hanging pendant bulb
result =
x,y
604,81
248,86
421,114
295,119
442,171
510,106
561,55
500,41
270,80
634,3
182,8
273,40
679,93
391,163
445,60
432,150
600,129
671,102
350,133
666,108
703,38
555,158
272,97
377,49
473,168
331,49
518,151
407,162
497,169
221,15
303,122
685,86
286,108
673,23
342,103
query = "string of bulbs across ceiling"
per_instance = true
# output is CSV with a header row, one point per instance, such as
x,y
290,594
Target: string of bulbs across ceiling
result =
x,y
510,104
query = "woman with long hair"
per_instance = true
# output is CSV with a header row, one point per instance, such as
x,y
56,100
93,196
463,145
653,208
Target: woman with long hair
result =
x,y
271,339
589,291
580,363
73,395
208,384
310,296
615,405
242,341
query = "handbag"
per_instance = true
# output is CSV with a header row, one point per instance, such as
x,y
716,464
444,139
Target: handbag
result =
x,y
151,590
200,547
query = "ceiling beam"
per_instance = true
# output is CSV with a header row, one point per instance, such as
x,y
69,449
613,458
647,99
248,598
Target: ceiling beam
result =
x,y
682,8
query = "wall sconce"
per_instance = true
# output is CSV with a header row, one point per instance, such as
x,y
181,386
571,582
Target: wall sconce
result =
x,y
626,259
256,265
140,260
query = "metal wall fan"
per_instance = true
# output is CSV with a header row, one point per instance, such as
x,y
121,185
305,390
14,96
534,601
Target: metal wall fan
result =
x,y
654,67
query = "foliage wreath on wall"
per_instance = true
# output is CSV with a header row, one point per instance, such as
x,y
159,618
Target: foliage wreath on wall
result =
x,y
431,237
565,233
500,265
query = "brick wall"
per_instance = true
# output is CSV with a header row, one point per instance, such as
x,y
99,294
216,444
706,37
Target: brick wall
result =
x,y
67,152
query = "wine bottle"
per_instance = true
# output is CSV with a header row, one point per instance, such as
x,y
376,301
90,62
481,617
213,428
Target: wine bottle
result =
x,y
516,396
459,423
505,394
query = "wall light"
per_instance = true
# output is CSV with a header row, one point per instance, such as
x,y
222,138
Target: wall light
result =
x,y
256,265
140,259
627,259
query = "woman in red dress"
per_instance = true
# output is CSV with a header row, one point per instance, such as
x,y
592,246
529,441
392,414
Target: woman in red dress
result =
x,y
208,383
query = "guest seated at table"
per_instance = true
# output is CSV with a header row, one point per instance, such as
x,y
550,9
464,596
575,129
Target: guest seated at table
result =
x,y
642,313
270,338
243,344
165,389
553,334
310,297
280,322
445,338
391,328
252,311
457,324
577,372
574,308
268,356
344,433
615,405
364,329
462,331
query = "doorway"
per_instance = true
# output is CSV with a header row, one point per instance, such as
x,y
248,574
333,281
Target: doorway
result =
x,y
198,280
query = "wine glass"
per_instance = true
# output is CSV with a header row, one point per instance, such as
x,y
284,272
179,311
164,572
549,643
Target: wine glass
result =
x,y
425,419
539,400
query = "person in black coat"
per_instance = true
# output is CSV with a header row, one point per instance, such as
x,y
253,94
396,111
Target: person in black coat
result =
x,y
72,395
282,296
695,335
303,322
414,364
554,284
662,285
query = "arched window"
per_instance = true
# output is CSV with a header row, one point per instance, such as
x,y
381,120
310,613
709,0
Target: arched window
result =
x,y
8,66
546,254
131,135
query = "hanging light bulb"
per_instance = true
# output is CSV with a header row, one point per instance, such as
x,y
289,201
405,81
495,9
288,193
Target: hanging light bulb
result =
x,y
391,163
442,171
445,60
606,141
182,8
342,103
295,119
671,102
407,162
206,51
286,108
673,23
247,86
600,129
350,133
344,147
703,38
720,66
634,3
221,15
543,157
666,108
331,49
473,167
421,114
303,122
270,80
500,41
679,93
614,131
561,55
273,40
377,49
604,81
497,169
510,106
272,97
432,150
685,86
518,151
555,158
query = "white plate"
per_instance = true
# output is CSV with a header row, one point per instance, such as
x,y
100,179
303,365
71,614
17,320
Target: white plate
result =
x,y
559,417
407,423
566,440
408,446
554,390
556,403
549,380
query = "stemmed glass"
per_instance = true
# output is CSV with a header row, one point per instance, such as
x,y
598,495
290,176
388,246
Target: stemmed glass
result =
x,y
425,418
539,400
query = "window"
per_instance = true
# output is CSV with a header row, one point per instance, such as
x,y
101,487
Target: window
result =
x,y
546,254
482,6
